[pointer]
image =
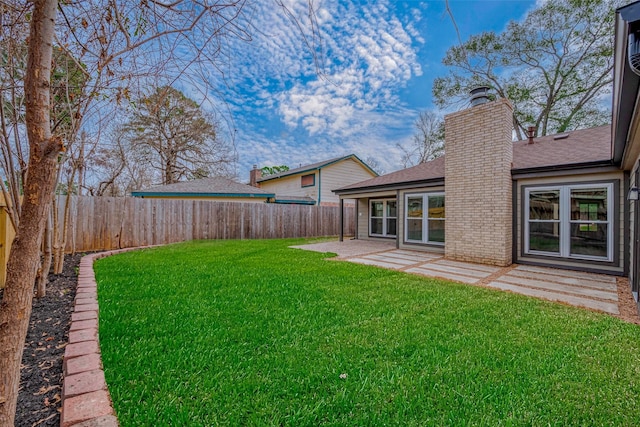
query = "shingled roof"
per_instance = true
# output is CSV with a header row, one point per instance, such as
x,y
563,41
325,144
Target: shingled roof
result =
x,y
578,147
429,171
574,149
205,187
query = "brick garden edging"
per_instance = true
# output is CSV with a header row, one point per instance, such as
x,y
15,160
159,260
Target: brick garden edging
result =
x,y
85,397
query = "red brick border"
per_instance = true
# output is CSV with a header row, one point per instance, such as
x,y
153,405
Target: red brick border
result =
x,y
85,396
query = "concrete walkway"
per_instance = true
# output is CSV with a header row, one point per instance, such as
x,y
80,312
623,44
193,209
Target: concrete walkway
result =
x,y
593,291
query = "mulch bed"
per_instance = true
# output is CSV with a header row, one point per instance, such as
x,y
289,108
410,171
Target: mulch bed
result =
x,y
39,399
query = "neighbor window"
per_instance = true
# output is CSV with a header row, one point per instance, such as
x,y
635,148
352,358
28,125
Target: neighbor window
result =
x,y
424,218
308,180
383,217
571,221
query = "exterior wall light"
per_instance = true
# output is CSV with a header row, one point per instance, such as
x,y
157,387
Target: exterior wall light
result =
x,y
633,194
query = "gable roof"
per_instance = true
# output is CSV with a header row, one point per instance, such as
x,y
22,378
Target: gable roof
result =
x,y
316,166
205,187
569,150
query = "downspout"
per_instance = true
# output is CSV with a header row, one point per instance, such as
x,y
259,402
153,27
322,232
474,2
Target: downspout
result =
x,y
356,221
398,219
319,186
341,219
514,221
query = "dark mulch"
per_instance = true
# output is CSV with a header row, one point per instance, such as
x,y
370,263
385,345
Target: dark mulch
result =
x,y
39,399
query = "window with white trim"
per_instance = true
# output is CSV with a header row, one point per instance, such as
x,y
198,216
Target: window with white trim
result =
x,y
383,217
424,218
570,221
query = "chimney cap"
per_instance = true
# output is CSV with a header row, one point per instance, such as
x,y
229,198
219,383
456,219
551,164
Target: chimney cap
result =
x,y
531,133
479,95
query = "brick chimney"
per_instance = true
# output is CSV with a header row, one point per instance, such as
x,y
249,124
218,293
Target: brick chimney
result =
x,y
254,175
478,185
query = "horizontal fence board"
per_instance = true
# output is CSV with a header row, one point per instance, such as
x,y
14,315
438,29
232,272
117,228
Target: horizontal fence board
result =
x,y
106,223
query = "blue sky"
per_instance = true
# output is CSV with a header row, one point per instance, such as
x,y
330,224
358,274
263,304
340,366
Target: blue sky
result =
x,y
380,59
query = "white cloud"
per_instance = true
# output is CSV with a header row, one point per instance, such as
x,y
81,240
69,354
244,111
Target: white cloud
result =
x,y
368,56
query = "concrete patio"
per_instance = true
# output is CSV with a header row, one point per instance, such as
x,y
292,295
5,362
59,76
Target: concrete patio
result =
x,y
593,291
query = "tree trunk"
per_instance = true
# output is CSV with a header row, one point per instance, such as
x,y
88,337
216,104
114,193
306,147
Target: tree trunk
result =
x,y
59,264
47,255
56,230
24,258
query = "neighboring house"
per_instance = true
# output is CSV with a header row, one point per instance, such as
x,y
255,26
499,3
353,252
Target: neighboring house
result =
x,y
217,188
312,184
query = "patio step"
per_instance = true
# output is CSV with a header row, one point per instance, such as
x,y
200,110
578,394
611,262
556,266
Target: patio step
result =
x,y
377,263
607,307
581,290
443,275
571,281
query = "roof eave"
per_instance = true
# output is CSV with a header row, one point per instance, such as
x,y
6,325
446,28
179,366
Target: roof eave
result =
x,y
625,83
392,186
294,202
285,174
191,194
565,167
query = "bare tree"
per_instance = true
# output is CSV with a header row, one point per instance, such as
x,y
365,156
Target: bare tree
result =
x,y
173,136
15,308
374,164
428,141
112,36
113,41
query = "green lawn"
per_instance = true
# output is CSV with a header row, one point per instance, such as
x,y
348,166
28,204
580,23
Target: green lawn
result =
x,y
254,333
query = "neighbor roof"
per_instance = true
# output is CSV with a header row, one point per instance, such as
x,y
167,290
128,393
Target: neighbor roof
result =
x,y
579,148
316,166
205,187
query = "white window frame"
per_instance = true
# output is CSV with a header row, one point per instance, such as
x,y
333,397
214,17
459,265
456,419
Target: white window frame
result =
x,y
565,220
384,217
425,218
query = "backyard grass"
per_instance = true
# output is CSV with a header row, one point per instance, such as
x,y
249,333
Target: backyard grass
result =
x,y
254,333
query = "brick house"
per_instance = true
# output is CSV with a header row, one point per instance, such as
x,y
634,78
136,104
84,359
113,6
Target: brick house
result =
x,y
567,201
555,200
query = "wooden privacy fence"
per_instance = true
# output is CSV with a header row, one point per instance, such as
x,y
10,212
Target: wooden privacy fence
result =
x,y
105,223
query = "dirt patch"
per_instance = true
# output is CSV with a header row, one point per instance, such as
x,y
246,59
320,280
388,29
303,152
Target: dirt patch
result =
x,y
39,398
626,303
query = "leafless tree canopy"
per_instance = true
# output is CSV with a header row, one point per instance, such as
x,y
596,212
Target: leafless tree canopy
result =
x,y
428,140
170,134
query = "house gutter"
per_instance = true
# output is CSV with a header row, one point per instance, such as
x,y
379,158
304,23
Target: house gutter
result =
x,y
560,168
392,186
144,194
625,82
294,202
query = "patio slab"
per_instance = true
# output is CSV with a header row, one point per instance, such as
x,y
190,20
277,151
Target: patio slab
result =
x,y
588,290
349,248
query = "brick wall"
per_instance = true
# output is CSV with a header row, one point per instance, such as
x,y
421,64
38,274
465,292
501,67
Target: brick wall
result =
x,y
478,186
